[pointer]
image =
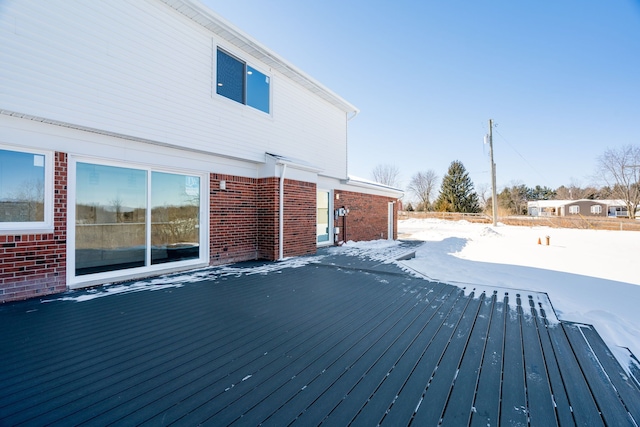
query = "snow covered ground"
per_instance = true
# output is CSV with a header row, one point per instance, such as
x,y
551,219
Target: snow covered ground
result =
x,y
591,276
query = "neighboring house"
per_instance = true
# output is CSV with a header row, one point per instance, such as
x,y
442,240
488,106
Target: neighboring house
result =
x,y
582,207
618,208
145,137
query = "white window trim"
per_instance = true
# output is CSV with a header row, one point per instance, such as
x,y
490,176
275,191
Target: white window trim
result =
x,y
76,282
35,227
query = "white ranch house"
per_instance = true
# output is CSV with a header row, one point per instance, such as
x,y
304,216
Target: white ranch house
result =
x,y
584,207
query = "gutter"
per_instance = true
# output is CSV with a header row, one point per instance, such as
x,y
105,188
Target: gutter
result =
x,y
373,186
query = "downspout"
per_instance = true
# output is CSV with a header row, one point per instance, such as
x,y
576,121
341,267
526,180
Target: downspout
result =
x,y
349,116
281,214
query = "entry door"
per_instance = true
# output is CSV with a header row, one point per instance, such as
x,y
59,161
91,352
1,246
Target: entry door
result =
x,y
390,229
323,229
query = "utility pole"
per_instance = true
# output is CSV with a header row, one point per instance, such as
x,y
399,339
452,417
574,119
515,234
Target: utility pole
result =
x,y
494,197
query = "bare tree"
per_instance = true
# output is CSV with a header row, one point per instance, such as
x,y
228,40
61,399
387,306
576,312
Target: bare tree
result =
x,y
575,191
484,196
619,169
422,184
117,206
514,198
387,174
30,196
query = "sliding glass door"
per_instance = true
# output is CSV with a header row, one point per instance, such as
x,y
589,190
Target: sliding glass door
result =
x,y
128,218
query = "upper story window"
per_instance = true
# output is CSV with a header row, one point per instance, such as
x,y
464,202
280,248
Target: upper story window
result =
x,y
25,191
244,84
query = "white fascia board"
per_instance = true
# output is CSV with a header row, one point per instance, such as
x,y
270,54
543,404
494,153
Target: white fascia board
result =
x,y
372,185
294,163
215,23
297,170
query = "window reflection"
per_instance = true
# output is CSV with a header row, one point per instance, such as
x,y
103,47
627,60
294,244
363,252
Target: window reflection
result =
x,y
175,209
111,206
21,186
257,89
230,77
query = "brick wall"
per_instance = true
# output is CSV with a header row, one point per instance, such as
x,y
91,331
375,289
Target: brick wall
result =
x,y
245,218
299,218
300,200
267,205
35,264
233,224
367,218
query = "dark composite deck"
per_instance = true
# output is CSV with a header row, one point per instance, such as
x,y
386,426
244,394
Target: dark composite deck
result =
x,y
343,341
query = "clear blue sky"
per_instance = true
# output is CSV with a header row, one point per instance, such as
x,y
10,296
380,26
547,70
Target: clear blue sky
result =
x,y
560,78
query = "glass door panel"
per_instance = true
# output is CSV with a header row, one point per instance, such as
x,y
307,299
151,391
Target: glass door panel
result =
x,y
322,224
175,217
111,209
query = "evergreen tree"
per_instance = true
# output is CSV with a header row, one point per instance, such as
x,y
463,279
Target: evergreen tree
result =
x,y
541,193
456,192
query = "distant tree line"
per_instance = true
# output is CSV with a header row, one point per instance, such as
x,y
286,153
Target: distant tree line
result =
x,y
618,171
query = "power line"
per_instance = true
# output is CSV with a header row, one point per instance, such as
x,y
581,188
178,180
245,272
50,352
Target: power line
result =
x,y
544,178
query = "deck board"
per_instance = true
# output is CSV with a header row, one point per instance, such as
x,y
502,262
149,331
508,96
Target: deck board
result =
x,y
442,379
460,405
607,397
346,339
558,390
513,411
540,402
626,388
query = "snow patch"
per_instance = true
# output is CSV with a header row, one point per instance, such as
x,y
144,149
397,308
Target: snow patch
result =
x,y
179,280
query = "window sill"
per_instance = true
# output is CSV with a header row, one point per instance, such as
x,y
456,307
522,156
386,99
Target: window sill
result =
x,y
22,230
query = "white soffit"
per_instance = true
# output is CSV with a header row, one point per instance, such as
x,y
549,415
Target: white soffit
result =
x,y
210,20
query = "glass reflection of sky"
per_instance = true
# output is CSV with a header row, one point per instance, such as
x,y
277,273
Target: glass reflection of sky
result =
x,y
174,190
104,185
107,185
18,171
257,89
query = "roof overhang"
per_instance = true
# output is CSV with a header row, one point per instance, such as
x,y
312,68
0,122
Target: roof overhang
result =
x,y
372,185
294,163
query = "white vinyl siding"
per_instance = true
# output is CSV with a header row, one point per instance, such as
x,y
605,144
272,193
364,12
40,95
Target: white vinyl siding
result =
x,y
141,69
